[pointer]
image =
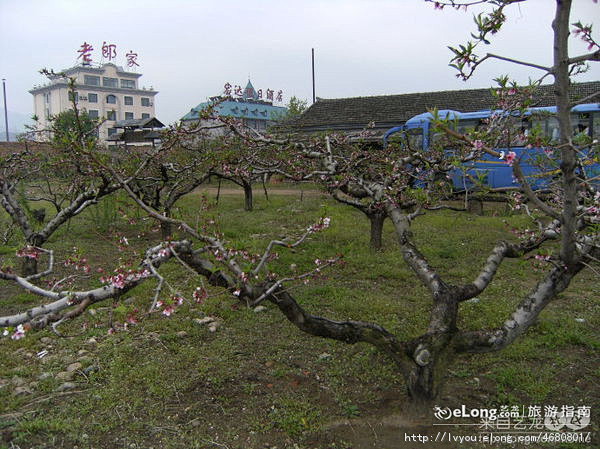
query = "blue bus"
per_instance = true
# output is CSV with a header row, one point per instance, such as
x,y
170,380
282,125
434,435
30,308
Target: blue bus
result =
x,y
493,172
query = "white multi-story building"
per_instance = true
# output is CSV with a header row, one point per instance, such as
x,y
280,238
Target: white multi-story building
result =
x,y
105,91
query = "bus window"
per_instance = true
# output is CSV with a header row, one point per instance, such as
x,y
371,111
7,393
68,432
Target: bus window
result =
x,y
548,127
438,139
581,124
552,129
518,130
415,139
467,126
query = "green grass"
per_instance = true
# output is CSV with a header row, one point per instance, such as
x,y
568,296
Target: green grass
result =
x,y
258,380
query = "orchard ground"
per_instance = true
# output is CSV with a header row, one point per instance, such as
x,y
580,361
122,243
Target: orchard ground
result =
x,y
259,382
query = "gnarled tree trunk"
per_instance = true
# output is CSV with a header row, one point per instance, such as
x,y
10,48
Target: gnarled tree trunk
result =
x,y
166,229
29,266
376,219
248,196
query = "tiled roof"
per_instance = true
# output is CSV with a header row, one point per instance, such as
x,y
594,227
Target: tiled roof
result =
x,y
240,108
135,135
150,122
391,110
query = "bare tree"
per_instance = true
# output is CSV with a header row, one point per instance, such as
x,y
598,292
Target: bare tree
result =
x,y
58,178
170,175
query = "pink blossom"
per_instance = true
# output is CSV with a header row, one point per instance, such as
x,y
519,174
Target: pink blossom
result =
x,y
118,281
168,310
200,295
30,252
19,333
164,252
322,224
477,145
510,158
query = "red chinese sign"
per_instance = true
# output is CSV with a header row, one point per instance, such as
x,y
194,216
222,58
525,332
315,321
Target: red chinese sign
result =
x,y
131,59
109,51
84,53
237,91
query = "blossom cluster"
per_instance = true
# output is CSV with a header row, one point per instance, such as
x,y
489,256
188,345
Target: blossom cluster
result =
x,y
124,277
518,200
539,261
78,262
585,34
200,294
18,333
231,253
508,157
30,252
169,305
322,224
478,145
165,252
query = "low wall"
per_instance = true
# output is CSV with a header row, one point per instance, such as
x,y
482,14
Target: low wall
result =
x,y
15,147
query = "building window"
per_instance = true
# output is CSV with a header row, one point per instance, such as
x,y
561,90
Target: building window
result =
x,y
128,84
92,113
129,116
111,115
128,101
71,96
145,101
93,98
90,80
111,99
145,116
110,82
112,131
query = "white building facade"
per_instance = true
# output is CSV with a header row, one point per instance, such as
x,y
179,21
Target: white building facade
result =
x,y
105,92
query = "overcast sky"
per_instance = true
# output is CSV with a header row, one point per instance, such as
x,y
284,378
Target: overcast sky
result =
x,y
188,49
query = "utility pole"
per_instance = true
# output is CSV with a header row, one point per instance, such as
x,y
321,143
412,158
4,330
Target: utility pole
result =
x,y
313,74
5,110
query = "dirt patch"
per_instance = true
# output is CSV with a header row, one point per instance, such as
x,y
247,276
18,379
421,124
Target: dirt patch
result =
x,y
271,191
